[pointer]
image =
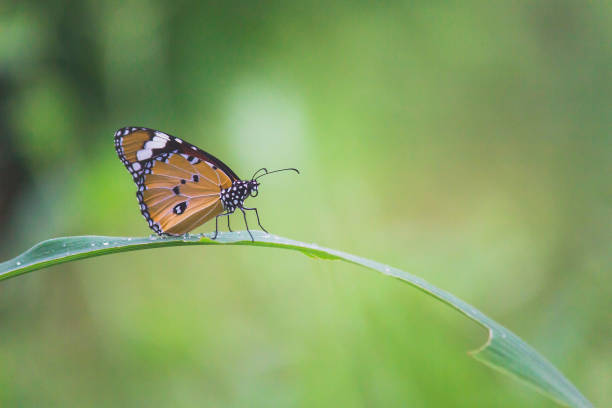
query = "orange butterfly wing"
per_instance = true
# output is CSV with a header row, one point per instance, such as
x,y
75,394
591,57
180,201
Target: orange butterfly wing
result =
x,y
179,185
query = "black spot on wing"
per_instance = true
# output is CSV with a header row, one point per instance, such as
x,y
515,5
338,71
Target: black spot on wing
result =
x,y
180,208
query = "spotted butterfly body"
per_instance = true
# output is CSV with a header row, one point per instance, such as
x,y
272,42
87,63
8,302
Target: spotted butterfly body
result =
x,y
180,186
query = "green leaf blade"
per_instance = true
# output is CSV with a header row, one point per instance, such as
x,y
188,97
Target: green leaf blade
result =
x,y
504,350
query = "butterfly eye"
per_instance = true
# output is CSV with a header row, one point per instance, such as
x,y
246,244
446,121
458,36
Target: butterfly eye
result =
x,y
254,192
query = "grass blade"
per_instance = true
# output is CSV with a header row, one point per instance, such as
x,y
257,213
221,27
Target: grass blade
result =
x,y
504,350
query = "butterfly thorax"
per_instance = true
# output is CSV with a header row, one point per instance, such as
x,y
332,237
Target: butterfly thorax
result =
x,y
233,197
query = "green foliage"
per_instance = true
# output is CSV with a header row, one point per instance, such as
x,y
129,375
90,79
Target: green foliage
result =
x,y
468,142
504,350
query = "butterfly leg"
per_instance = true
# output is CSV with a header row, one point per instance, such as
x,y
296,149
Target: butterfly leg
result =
x,y
257,215
228,225
245,223
217,223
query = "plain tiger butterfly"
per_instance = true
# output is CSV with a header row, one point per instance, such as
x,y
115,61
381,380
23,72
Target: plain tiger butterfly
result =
x,y
180,186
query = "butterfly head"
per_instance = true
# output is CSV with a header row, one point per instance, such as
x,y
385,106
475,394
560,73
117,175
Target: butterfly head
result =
x,y
252,188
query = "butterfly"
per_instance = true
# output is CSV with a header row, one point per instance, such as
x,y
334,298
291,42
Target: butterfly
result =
x,y
180,186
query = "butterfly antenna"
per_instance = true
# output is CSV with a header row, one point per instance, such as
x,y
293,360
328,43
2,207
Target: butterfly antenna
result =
x,y
263,168
276,171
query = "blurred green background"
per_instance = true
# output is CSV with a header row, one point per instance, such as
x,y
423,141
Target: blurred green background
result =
x,y
465,142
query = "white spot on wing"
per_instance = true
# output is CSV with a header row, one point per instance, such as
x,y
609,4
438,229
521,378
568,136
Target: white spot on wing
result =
x,y
162,135
156,143
144,154
136,166
178,140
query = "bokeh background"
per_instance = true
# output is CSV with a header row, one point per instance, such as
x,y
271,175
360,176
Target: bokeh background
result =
x,y
465,142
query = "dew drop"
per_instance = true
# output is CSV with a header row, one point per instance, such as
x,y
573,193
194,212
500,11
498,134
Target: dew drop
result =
x,y
387,269
105,243
129,239
93,244
18,263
